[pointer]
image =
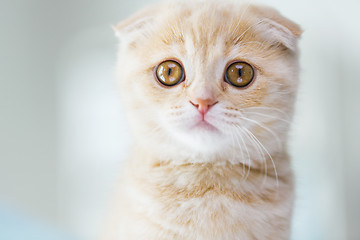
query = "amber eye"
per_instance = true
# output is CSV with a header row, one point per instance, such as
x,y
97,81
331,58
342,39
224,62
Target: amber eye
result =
x,y
239,74
169,73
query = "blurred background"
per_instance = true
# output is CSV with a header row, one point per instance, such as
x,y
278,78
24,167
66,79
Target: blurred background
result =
x,y
63,135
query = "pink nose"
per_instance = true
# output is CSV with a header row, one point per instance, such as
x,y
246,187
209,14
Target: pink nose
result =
x,y
203,105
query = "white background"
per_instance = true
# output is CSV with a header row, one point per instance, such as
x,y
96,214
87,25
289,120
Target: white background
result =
x,y
63,135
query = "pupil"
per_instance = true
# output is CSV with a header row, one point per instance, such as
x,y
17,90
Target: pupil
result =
x,y
169,71
240,72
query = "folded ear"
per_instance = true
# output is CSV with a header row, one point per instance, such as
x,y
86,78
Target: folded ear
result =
x,y
127,30
275,28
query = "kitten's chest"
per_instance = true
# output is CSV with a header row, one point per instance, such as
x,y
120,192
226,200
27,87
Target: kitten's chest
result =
x,y
203,217
199,211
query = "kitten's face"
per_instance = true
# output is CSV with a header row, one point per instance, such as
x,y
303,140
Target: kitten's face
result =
x,y
213,81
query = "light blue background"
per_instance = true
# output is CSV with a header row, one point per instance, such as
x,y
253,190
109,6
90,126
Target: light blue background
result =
x,y
16,226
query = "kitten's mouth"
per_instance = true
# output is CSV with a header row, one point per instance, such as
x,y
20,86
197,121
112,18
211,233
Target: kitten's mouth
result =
x,y
205,126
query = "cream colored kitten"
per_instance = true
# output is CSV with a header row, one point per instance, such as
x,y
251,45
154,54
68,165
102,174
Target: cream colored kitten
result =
x,y
209,88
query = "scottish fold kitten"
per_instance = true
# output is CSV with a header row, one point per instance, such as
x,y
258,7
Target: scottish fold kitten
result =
x,y
209,88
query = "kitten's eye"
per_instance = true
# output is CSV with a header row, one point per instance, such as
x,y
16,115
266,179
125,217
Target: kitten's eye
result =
x,y
169,73
239,74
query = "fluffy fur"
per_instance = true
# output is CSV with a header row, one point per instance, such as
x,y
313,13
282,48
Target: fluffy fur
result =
x,y
187,182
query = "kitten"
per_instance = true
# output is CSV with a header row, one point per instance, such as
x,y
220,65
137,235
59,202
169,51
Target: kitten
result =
x,y
209,88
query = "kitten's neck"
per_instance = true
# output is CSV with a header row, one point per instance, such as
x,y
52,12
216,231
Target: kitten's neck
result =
x,y
145,160
193,180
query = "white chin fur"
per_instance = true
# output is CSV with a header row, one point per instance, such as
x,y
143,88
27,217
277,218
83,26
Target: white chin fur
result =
x,y
200,140
194,144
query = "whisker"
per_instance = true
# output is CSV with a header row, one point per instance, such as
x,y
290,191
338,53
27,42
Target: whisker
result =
x,y
267,152
261,151
247,151
265,115
268,108
232,139
241,150
265,128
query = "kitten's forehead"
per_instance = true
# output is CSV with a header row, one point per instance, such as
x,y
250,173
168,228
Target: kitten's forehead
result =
x,y
204,27
206,60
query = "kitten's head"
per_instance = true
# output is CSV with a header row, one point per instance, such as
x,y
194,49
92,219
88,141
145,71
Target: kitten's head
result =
x,y
207,80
